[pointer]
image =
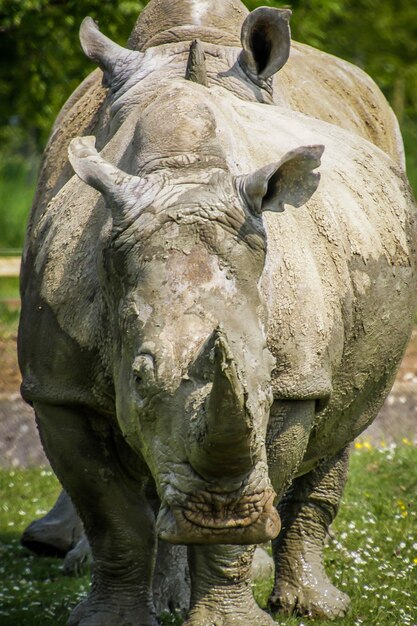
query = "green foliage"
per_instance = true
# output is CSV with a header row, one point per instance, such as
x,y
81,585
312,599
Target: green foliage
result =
x,y
373,556
9,319
409,130
9,288
42,61
17,186
378,35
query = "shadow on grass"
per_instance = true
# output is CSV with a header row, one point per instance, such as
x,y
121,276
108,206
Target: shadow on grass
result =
x,y
33,590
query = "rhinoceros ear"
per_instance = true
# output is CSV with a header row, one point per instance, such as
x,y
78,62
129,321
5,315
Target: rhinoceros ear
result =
x,y
290,181
116,62
122,191
266,41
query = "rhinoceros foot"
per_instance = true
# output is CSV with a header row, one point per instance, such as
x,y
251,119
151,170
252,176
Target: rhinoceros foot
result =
x,y
223,608
78,559
316,597
238,617
101,609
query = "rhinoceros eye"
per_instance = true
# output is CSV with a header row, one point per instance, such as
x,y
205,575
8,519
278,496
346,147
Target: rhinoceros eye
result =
x,y
144,369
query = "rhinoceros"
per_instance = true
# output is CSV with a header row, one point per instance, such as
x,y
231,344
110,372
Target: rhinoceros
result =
x,y
213,307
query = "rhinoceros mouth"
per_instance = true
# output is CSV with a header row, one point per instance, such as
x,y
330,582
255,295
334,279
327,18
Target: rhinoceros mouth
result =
x,y
219,511
251,519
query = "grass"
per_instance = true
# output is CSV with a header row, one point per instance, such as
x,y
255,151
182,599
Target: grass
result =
x,y
9,319
33,590
17,187
373,557
9,291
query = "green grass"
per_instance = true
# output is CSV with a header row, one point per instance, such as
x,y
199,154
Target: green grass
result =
x,y
9,288
373,557
9,319
9,313
17,187
32,590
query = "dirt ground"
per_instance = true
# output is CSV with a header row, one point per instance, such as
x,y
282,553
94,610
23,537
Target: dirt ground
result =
x,y
19,439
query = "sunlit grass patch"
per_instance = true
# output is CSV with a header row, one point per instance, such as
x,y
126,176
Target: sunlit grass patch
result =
x,y
33,590
372,557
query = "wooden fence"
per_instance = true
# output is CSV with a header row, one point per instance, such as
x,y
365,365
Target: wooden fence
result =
x,y
9,266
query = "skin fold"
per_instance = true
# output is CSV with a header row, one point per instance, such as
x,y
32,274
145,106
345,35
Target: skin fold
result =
x,y
210,310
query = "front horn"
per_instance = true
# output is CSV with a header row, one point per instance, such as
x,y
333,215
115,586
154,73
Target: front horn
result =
x,y
221,441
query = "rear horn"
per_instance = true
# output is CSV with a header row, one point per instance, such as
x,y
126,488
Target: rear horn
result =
x,y
196,66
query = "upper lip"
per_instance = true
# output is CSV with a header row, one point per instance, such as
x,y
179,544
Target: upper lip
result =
x,y
238,502
223,512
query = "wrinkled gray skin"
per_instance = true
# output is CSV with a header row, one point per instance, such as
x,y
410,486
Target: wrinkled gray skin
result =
x,y
193,351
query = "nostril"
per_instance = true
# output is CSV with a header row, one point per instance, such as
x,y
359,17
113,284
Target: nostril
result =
x,y
138,378
144,369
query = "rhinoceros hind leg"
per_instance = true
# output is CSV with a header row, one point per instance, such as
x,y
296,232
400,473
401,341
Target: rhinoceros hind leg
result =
x,y
85,453
55,533
307,510
171,578
78,559
171,584
221,590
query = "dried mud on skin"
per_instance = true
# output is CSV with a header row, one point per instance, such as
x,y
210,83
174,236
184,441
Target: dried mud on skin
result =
x,y
19,439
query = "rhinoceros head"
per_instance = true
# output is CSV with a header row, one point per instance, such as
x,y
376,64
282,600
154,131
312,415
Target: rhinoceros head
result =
x,y
191,367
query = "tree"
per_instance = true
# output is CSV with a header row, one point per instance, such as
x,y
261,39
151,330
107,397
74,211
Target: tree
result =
x,y
378,35
42,62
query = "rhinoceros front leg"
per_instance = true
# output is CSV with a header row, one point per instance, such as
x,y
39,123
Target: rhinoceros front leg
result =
x,y
221,591
307,510
85,453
